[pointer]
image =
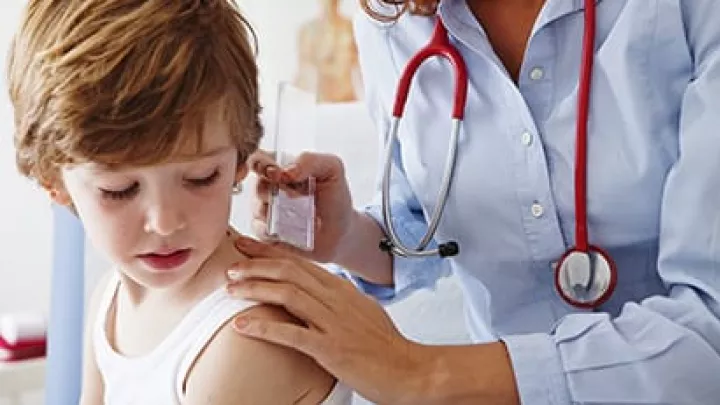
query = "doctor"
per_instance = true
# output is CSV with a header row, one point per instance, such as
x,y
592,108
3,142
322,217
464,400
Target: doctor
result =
x,y
644,327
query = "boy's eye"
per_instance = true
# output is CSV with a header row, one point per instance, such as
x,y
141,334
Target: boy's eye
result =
x,y
121,194
131,191
204,181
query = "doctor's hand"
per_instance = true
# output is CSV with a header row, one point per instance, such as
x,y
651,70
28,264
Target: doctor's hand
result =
x,y
347,332
333,205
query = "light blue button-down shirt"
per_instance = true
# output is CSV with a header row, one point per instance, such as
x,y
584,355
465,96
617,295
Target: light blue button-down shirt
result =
x,y
653,190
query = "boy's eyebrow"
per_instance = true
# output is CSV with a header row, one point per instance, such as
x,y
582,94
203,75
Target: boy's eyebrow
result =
x,y
217,151
208,153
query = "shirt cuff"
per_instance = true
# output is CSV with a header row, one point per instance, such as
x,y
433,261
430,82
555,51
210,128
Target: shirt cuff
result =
x,y
409,274
538,369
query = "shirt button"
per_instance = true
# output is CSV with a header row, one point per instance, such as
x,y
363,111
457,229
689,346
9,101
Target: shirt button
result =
x,y
537,210
526,138
537,73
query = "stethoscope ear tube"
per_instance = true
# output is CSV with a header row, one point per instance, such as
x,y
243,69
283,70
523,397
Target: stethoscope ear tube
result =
x,y
586,275
392,243
439,45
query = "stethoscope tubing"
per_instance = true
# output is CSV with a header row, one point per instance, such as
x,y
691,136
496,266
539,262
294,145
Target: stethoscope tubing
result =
x,y
439,45
581,155
398,247
578,262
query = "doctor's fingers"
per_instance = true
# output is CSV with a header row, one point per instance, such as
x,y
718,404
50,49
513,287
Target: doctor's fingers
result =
x,y
260,209
286,271
264,165
262,189
302,339
313,312
294,260
322,166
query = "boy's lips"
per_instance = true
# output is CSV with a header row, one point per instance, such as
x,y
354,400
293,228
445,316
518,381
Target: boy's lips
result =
x,y
166,259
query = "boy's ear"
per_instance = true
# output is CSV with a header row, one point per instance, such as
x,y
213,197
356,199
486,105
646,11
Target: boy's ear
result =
x,y
241,173
60,197
58,194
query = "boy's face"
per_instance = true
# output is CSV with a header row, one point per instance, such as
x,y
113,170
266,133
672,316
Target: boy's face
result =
x,y
159,223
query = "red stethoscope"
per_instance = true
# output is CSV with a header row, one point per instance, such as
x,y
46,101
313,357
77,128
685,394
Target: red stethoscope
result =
x,y
586,275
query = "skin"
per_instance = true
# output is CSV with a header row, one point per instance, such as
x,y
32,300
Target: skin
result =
x,y
508,26
131,211
349,333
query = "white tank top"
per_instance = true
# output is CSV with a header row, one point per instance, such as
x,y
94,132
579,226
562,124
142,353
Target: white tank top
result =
x,y
158,377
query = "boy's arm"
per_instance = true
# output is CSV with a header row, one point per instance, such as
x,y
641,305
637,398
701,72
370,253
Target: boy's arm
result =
x,y
92,384
234,369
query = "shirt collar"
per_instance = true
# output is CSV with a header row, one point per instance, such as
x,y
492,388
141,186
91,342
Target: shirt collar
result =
x,y
555,9
552,10
462,24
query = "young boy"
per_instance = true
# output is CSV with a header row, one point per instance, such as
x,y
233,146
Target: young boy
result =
x,y
139,116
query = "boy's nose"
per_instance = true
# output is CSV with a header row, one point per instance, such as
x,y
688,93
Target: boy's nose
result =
x,y
165,220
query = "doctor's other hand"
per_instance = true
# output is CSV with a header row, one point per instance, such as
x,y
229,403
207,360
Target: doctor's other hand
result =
x,y
333,203
345,331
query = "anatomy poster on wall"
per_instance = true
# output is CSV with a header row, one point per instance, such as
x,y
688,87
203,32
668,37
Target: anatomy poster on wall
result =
x,y
308,43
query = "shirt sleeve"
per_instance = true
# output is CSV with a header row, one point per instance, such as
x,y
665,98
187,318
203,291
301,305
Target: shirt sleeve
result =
x,y
665,349
379,74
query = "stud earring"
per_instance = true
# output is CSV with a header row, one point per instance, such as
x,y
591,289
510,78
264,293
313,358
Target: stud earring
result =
x,y
237,188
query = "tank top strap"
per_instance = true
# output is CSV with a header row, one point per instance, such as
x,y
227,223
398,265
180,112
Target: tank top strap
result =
x,y
207,318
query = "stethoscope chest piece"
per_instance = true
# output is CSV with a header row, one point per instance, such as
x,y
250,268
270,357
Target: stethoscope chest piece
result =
x,y
585,279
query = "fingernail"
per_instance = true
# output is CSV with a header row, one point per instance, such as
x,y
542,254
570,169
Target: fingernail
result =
x,y
241,323
236,291
234,274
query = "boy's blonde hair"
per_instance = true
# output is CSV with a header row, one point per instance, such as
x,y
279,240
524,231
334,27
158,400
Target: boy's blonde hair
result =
x,y
114,81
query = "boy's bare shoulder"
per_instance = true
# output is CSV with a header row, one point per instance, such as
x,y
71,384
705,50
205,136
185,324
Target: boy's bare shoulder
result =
x,y
234,369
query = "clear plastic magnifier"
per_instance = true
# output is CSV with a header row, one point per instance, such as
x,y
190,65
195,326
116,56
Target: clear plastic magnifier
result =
x,y
291,210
